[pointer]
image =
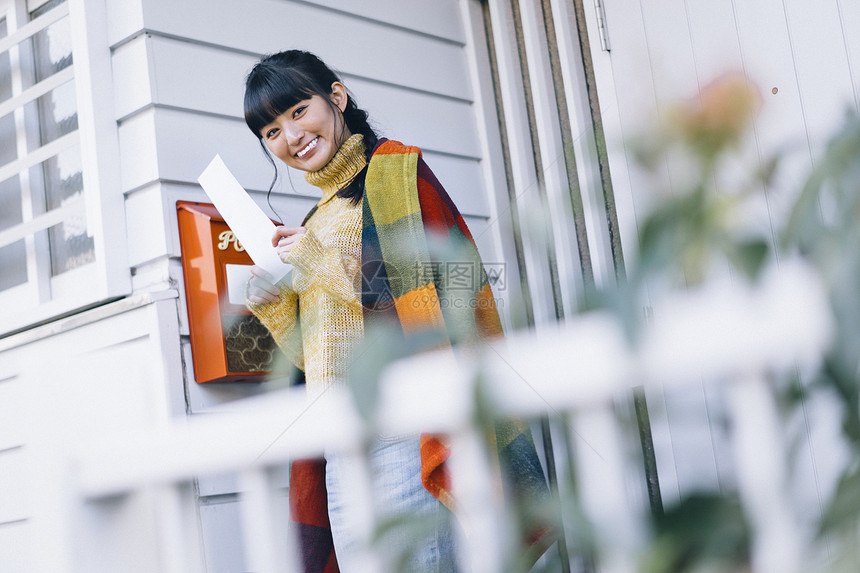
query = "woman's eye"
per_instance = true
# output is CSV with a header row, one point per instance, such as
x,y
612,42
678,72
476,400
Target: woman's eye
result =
x,y
298,111
271,133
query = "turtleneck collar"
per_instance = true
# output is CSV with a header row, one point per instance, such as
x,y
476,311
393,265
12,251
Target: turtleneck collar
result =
x,y
341,169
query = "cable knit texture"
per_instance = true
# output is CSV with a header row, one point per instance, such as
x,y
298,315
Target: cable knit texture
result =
x,y
326,281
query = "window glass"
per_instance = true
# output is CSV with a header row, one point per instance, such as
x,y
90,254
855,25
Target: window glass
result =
x,y
70,244
56,182
52,53
56,113
52,47
5,67
8,140
13,258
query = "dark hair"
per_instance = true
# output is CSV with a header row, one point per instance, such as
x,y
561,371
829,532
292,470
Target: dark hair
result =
x,y
279,81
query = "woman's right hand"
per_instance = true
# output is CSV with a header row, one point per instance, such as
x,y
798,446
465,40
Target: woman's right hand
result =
x,y
286,238
261,287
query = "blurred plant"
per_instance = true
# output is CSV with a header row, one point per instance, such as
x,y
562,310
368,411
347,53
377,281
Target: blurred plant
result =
x,y
698,228
824,229
700,533
697,222
717,120
695,232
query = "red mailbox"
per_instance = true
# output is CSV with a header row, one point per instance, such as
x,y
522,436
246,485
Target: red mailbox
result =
x,y
228,343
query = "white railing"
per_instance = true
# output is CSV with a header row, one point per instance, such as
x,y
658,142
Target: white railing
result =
x,y
727,332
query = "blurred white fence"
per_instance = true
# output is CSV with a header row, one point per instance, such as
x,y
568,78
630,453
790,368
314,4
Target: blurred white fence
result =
x,y
98,494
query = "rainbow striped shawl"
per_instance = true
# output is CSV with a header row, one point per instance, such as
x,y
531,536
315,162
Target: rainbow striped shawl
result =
x,y
412,238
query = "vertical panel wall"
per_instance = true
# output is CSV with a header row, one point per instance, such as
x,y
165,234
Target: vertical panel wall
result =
x,y
803,58
647,57
563,199
560,194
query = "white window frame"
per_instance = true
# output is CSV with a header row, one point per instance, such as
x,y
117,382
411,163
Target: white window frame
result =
x,y
44,297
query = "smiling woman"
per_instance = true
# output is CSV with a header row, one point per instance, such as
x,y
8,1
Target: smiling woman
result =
x,y
362,255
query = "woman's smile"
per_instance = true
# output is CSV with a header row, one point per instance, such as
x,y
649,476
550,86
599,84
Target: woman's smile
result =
x,y
308,148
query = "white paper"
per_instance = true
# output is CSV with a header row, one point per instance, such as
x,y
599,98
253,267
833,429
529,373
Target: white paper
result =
x,y
247,221
237,276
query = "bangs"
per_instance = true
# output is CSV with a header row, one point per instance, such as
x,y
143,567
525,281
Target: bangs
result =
x,y
269,92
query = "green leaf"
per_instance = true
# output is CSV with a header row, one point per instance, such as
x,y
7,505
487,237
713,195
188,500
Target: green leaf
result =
x,y
750,257
841,512
700,528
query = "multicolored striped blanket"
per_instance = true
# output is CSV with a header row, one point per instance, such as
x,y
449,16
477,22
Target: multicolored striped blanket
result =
x,y
421,272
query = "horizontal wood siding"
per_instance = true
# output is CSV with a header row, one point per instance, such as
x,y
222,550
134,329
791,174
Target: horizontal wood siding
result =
x,y
61,385
16,495
439,18
222,536
13,538
202,106
13,417
344,39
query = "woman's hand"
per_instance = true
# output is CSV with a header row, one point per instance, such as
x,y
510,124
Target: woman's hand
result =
x,y
286,238
261,287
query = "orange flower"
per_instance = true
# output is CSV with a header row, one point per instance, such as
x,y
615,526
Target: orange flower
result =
x,y
718,117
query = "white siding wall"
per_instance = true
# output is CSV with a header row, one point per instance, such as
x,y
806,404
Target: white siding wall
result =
x,y
804,59
103,371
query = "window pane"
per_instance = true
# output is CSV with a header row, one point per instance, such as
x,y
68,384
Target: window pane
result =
x,y
10,203
5,68
46,7
8,141
52,47
63,178
71,245
56,112
13,258
13,262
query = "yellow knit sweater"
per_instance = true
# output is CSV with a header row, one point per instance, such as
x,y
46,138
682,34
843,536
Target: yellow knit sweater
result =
x,y
318,318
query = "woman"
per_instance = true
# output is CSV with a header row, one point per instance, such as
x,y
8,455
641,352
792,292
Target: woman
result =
x,y
363,254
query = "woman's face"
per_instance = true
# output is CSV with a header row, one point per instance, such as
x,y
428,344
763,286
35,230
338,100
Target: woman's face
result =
x,y
307,135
